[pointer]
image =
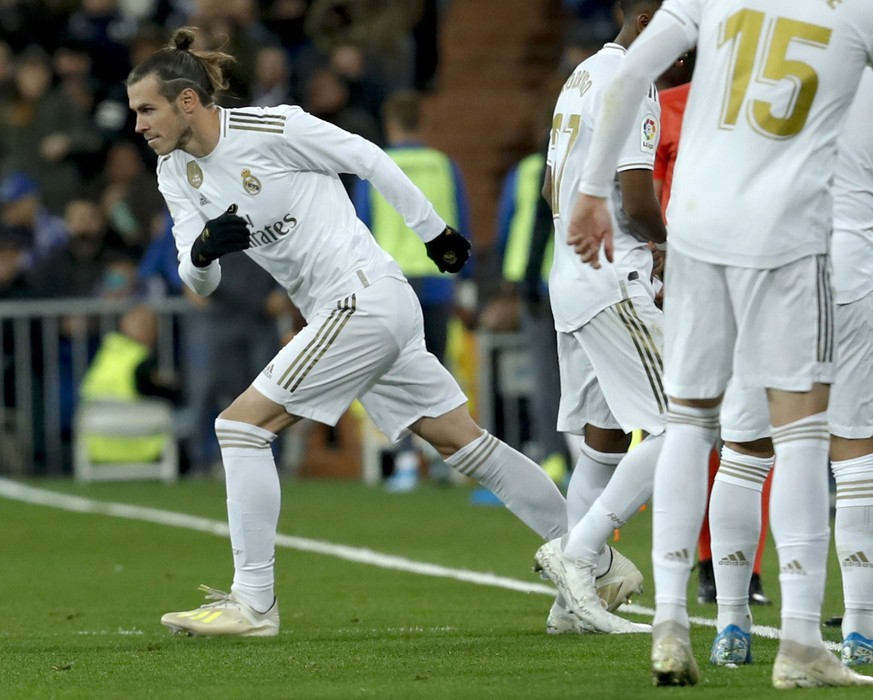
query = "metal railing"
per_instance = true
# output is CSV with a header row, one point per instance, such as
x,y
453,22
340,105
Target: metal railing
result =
x,y
53,341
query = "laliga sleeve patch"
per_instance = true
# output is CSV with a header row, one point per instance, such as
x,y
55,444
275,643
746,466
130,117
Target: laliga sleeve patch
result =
x,y
649,134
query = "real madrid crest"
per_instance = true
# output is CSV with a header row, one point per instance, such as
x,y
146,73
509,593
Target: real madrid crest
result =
x,y
195,174
251,184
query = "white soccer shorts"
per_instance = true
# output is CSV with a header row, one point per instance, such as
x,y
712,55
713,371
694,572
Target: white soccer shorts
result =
x,y
744,413
850,411
368,346
611,370
768,328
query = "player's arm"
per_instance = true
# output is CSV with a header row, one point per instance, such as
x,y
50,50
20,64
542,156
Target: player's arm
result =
x,y
199,244
641,205
665,39
321,146
314,144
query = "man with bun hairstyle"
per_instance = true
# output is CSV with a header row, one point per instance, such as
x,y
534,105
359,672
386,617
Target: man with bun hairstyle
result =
x,y
265,181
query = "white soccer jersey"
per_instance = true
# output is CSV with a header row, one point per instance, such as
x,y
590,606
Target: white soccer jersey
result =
x,y
772,82
852,243
281,167
577,291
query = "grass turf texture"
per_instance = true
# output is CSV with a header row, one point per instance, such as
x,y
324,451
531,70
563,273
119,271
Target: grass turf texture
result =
x,y
81,597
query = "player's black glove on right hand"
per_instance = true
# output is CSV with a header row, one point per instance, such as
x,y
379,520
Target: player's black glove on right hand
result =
x,y
224,234
450,250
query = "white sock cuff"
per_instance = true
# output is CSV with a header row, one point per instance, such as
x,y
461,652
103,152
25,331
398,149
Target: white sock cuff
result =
x,y
851,468
854,479
743,470
814,427
609,459
473,455
705,419
233,433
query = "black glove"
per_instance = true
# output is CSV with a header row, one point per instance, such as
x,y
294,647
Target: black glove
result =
x,y
450,250
224,234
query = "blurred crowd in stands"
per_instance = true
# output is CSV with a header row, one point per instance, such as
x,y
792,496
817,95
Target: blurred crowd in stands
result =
x,y
80,213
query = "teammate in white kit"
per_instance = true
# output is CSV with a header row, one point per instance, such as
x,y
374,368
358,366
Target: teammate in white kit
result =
x,y
745,427
748,291
609,343
266,181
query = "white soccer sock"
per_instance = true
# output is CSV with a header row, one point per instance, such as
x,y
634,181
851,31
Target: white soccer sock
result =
x,y
253,501
590,476
799,522
517,481
735,526
853,534
629,487
678,505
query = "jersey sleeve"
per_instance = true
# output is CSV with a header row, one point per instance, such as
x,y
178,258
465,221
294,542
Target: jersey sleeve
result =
x,y
639,150
320,146
187,225
665,39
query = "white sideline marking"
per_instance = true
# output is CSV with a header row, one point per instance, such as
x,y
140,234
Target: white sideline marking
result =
x,y
28,494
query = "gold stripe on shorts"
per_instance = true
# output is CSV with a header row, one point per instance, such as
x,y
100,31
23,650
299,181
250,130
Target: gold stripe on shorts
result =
x,y
315,350
647,350
824,293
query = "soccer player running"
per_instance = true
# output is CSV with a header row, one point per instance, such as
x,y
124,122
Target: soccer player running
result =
x,y
609,344
736,494
266,181
748,290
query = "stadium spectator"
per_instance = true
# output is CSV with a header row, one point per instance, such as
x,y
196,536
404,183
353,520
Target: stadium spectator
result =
x,y
363,317
77,267
271,84
383,28
45,131
327,97
440,179
125,369
21,206
129,197
350,62
96,26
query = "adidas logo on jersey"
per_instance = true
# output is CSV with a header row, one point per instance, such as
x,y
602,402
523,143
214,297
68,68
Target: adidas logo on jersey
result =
x,y
679,555
268,371
857,559
735,559
793,567
203,200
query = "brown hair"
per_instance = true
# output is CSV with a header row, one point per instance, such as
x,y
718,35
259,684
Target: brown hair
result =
x,y
178,67
404,109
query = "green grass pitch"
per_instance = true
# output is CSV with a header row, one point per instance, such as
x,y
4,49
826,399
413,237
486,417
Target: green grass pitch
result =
x,y
81,595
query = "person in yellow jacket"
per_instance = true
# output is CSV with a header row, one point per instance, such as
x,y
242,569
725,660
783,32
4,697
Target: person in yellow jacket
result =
x,y
124,369
524,242
438,176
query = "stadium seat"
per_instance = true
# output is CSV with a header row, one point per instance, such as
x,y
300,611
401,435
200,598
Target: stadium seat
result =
x,y
124,440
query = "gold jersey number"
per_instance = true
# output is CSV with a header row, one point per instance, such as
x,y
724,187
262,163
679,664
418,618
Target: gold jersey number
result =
x,y
745,31
561,125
